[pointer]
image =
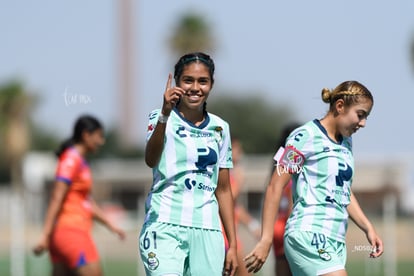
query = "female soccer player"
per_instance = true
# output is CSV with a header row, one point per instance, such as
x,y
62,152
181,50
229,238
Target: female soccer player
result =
x,y
318,158
189,151
71,209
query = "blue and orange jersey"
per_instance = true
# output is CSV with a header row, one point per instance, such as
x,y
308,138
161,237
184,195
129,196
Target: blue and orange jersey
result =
x,y
76,210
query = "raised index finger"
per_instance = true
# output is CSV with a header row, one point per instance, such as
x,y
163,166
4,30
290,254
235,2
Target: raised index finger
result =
x,y
169,81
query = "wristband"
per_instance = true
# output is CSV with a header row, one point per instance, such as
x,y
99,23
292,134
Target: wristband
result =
x,y
162,118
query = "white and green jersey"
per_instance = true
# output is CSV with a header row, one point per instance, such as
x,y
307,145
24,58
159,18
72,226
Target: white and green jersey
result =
x,y
322,173
185,179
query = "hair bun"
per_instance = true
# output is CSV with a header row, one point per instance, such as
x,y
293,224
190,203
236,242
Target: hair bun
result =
x,y
326,95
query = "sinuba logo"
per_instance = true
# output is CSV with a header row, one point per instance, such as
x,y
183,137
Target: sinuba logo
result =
x,y
192,183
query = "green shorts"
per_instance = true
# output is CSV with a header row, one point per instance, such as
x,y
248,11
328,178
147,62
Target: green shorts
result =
x,y
168,249
311,253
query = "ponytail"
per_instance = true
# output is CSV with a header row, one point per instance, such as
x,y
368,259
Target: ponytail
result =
x,y
84,123
65,145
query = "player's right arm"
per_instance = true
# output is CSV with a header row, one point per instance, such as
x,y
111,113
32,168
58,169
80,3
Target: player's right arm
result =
x,y
56,201
155,143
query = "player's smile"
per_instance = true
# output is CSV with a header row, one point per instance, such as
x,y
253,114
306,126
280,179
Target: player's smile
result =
x,y
355,129
193,96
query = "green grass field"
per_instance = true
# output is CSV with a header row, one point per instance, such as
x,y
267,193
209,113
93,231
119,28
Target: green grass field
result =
x,y
358,268
117,267
41,267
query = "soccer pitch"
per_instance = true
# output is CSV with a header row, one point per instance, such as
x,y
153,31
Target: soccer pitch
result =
x,y
117,267
121,258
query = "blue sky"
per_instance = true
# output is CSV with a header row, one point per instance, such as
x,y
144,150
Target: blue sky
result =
x,y
286,51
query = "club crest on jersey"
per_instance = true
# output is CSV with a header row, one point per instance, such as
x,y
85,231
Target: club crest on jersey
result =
x,y
218,133
292,159
324,255
152,261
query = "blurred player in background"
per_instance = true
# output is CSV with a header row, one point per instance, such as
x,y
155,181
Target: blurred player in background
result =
x,y
67,228
189,151
285,207
241,215
318,158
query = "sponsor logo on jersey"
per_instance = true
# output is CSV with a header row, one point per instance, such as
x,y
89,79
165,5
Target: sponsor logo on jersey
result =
x,y
206,157
180,131
201,186
204,187
153,115
189,183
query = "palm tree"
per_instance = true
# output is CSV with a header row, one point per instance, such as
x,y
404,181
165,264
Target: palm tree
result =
x,y
14,138
191,34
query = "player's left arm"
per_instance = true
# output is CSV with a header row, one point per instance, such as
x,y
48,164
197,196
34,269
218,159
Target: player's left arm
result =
x,y
99,215
357,215
226,209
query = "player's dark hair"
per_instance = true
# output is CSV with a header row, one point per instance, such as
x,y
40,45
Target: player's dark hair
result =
x,y
349,91
190,58
86,123
284,134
